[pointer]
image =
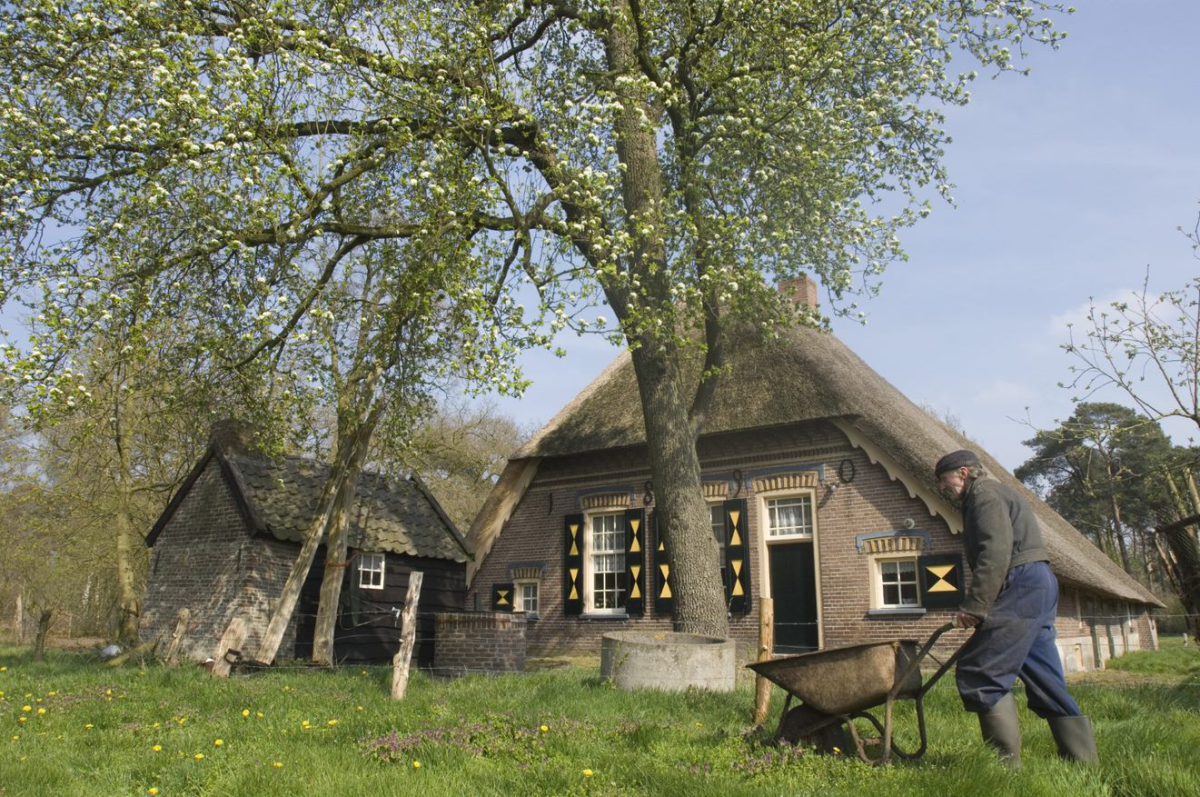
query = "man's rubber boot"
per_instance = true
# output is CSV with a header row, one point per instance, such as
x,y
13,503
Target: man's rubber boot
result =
x,y
1002,730
1075,739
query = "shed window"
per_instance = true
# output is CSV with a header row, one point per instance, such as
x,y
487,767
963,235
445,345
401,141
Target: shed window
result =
x,y
526,598
371,570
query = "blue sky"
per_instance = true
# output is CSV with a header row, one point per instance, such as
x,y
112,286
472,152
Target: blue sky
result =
x,y
1069,184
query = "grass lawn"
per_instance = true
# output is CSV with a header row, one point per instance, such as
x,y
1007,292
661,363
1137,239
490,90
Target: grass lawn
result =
x,y
75,727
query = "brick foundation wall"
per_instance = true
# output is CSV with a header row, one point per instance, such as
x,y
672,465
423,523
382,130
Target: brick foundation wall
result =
x,y
478,642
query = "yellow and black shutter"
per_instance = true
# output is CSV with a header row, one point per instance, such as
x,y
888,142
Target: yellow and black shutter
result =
x,y
573,565
635,562
737,557
503,596
664,596
941,580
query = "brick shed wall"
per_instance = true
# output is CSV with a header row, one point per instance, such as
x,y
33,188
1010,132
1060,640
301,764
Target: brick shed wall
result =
x,y
478,642
205,559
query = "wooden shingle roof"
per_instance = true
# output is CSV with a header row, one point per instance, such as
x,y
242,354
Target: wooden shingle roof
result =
x,y
280,497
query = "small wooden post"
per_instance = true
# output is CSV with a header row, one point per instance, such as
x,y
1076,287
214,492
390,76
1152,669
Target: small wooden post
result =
x,y
766,644
408,636
172,657
232,639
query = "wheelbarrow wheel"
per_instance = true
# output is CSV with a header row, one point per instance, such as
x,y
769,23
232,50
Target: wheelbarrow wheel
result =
x,y
811,728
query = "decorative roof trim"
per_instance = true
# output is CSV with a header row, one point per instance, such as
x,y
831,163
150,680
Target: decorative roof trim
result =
x,y
906,541
794,480
609,497
713,490
937,506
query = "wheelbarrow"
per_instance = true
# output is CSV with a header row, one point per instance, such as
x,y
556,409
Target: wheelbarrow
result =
x,y
840,685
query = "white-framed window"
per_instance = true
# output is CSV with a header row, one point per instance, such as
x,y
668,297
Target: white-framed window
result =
x,y
604,563
525,599
716,515
371,567
896,583
790,517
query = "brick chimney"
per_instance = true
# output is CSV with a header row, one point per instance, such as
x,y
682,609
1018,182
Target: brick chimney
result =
x,y
233,436
802,291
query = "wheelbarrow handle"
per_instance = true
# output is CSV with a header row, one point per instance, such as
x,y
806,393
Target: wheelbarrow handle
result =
x,y
915,663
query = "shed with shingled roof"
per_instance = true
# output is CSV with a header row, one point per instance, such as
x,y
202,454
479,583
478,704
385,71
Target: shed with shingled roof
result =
x,y
226,542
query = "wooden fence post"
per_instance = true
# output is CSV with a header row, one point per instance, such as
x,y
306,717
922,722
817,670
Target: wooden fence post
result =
x,y
172,657
408,636
766,644
231,640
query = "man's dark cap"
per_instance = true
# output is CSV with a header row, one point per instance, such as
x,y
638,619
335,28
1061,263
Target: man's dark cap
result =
x,y
955,460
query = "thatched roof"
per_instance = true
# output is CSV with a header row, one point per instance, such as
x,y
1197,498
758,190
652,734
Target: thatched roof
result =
x,y
809,375
280,497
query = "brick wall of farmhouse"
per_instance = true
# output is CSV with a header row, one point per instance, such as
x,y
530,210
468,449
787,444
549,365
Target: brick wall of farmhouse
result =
x,y
206,560
869,502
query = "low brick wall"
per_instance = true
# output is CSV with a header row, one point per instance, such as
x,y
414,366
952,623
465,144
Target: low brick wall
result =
x,y
478,642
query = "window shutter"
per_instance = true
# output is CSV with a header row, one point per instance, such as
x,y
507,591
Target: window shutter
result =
x,y
503,596
941,580
635,562
664,597
737,557
573,565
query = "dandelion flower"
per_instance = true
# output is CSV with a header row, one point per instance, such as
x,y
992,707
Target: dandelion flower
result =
x,y
88,727
16,737
218,743
3,669
278,765
246,713
356,708
152,791
157,748
332,723
259,715
544,729
27,709
22,720
587,773
41,712
199,756
416,765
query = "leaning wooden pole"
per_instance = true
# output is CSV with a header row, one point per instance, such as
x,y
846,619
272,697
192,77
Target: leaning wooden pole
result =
x,y
408,636
766,646
181,625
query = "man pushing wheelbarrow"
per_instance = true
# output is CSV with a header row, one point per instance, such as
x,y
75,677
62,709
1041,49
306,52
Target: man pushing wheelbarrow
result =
x,y
1012,603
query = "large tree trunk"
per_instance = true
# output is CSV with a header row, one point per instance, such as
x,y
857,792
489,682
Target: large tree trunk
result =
x,y
128,603
678,495
127,593
43,631
657,359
